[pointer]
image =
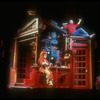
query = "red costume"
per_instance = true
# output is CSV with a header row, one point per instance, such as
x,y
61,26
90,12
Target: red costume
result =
x,y
71,28
43,62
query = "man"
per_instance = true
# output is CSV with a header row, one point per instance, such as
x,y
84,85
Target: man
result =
x,y
71,29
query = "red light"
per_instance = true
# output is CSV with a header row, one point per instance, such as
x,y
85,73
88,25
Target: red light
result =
x,y
2,53
1,42
95,44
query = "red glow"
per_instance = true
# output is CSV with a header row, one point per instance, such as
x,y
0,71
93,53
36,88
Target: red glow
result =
x,y
95,44
3,53
1,42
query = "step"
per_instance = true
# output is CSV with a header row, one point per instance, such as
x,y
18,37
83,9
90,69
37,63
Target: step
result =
x,y
18,87
19,84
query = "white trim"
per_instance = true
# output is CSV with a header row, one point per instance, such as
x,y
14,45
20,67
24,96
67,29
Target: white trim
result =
x,y
28,31
35,19
27,39
78,37
17,87
91,85
20,83
27,34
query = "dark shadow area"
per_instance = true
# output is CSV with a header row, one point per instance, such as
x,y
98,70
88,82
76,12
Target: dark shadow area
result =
x,y
50,94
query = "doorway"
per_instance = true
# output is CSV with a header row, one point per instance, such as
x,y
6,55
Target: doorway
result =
x,y
80,68
24,61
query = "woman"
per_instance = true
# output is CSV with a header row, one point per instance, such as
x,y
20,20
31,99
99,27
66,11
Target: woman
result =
x,y
43,62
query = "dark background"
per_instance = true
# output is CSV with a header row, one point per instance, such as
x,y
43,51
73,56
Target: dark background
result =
x,y
13,15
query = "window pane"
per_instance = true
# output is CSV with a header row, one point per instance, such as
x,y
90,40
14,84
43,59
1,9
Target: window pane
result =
x,y
83,58
83,64
83,70
79,52
83,52
83,76
17,75
83,82
23,75
79,83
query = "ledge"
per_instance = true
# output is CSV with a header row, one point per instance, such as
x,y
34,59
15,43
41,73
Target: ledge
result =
x,y
52,67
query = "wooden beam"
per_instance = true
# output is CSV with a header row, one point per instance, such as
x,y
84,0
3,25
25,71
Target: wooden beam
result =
x,y
91,76
36,50
27,34
29,24
27,39
49,22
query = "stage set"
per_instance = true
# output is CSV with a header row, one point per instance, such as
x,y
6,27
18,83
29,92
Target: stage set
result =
x,y
68,59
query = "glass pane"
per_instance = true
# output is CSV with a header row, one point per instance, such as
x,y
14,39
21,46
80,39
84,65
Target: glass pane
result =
x,y
83,64
79,83
83,52
83,58
83,76
83,82
79,52
83,70
17,75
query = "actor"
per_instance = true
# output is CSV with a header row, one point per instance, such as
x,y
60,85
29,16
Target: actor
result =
x,y
43,62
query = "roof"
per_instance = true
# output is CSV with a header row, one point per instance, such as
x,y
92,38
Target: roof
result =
x,y
32,27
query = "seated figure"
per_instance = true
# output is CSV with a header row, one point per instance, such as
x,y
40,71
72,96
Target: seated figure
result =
x,y
44,67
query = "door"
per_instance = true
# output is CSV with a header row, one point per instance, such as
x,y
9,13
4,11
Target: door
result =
x,y
80,68
24,63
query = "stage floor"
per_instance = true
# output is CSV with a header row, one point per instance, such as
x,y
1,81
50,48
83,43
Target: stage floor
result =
x,y
49,93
